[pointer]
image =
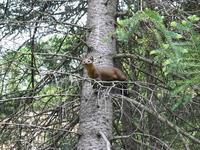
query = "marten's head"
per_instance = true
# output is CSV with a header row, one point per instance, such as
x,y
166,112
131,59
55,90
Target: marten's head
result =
x,y
88,61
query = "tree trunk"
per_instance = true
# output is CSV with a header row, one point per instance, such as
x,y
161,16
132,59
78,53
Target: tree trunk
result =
x,y
127,119
96,108
128,127
154,124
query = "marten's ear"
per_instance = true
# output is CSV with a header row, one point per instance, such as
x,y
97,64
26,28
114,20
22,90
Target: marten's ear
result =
x,y
92,58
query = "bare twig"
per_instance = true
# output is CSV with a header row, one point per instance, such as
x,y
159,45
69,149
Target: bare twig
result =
x,y
161,118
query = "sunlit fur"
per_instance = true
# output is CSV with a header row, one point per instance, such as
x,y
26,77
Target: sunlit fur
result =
x,y
102,73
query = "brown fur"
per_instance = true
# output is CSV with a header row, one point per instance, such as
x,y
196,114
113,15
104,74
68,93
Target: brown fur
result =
x,y
103,73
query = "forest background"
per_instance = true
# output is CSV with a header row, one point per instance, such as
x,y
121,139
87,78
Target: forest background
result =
x,y
42,80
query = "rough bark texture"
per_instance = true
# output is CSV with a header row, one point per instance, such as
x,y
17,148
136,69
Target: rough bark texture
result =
x,y
96,107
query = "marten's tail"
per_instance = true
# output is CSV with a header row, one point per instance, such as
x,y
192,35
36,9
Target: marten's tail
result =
x,y
125,89
122,88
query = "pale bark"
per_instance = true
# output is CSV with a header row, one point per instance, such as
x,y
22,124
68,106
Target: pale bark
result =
x,y
96,108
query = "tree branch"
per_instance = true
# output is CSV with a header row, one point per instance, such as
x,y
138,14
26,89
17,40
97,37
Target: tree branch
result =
x,y
161,118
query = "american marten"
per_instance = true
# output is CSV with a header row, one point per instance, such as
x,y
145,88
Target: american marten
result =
x,y
103,73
